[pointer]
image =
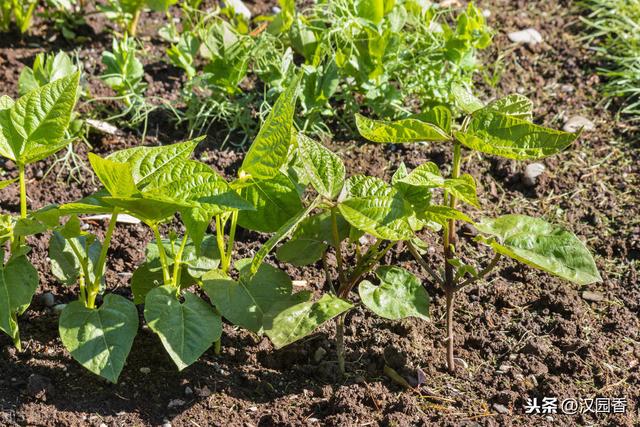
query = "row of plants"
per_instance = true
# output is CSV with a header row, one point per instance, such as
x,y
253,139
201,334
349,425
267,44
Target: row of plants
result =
x,y
290,187
392,57
611,28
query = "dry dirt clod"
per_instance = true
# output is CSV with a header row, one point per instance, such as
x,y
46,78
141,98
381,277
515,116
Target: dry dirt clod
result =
x,y
575,123
39,387
145,370
174,403
592,296
319,354
530,36
501,409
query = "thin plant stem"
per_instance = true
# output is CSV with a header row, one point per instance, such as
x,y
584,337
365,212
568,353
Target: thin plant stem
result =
x,y
230,242
23,192
220,241
423,263
163,255
336,239
481,274
177,264
133,25
102,260
340,343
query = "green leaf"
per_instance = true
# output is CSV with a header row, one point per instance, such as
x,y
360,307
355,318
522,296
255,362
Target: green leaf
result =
x,y
542,245
442,214
311,239
147,209
515,105
65,264
439,115
300,320
463,188
376,208
156,166
284,231
399,295
100,339
196,260
275,201
245,302
6,102
18,283
507,136
465,100
34,126
425,175
270,149
400,131
324,169
116,177
186,329
144,279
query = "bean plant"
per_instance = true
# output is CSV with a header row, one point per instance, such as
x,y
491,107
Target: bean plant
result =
x,y
500,128
18,11
31,129
126,13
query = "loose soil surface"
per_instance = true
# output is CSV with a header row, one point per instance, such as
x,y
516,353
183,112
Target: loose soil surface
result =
x,y
521,334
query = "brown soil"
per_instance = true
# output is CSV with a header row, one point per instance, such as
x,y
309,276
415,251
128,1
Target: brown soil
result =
x,y
521,335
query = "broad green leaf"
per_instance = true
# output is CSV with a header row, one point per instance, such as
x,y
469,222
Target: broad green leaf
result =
x,y
300,320
508,136
116,177
542,245
34,126
64,252
286,230
100,339
6,102
324,169
376,208
442,214
399,295
275,201
400,131
245,302
196,260
515,105
463,188
465,100
425,175
311,239
155,166
92,204
440,116
270,149
145,278
18,283
148,210
187,329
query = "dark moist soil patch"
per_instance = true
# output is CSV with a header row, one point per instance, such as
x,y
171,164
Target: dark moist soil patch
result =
x,y
523,334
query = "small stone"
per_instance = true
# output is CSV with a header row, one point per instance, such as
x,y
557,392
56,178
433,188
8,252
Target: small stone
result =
x,y
504,367
568,88
575,123
174,403
501,409
461,362
47,299
319,354
103,425
39,174
145,370
57,309
529,36
166,424
252,409
188,391
531,172
592,296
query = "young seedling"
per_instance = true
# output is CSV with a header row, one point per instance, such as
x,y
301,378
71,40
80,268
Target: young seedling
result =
x,y
501,128
151,184
273,176
126,13
31,129
46,69
20,10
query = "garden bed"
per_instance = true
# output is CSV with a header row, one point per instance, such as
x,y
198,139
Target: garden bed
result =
x,y
522,334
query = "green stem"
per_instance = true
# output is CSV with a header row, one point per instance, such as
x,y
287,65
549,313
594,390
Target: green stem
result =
x,y
177,264
102,261
23,192
84,267
217,347
133,25
230,242
166,277
336,240
340,343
